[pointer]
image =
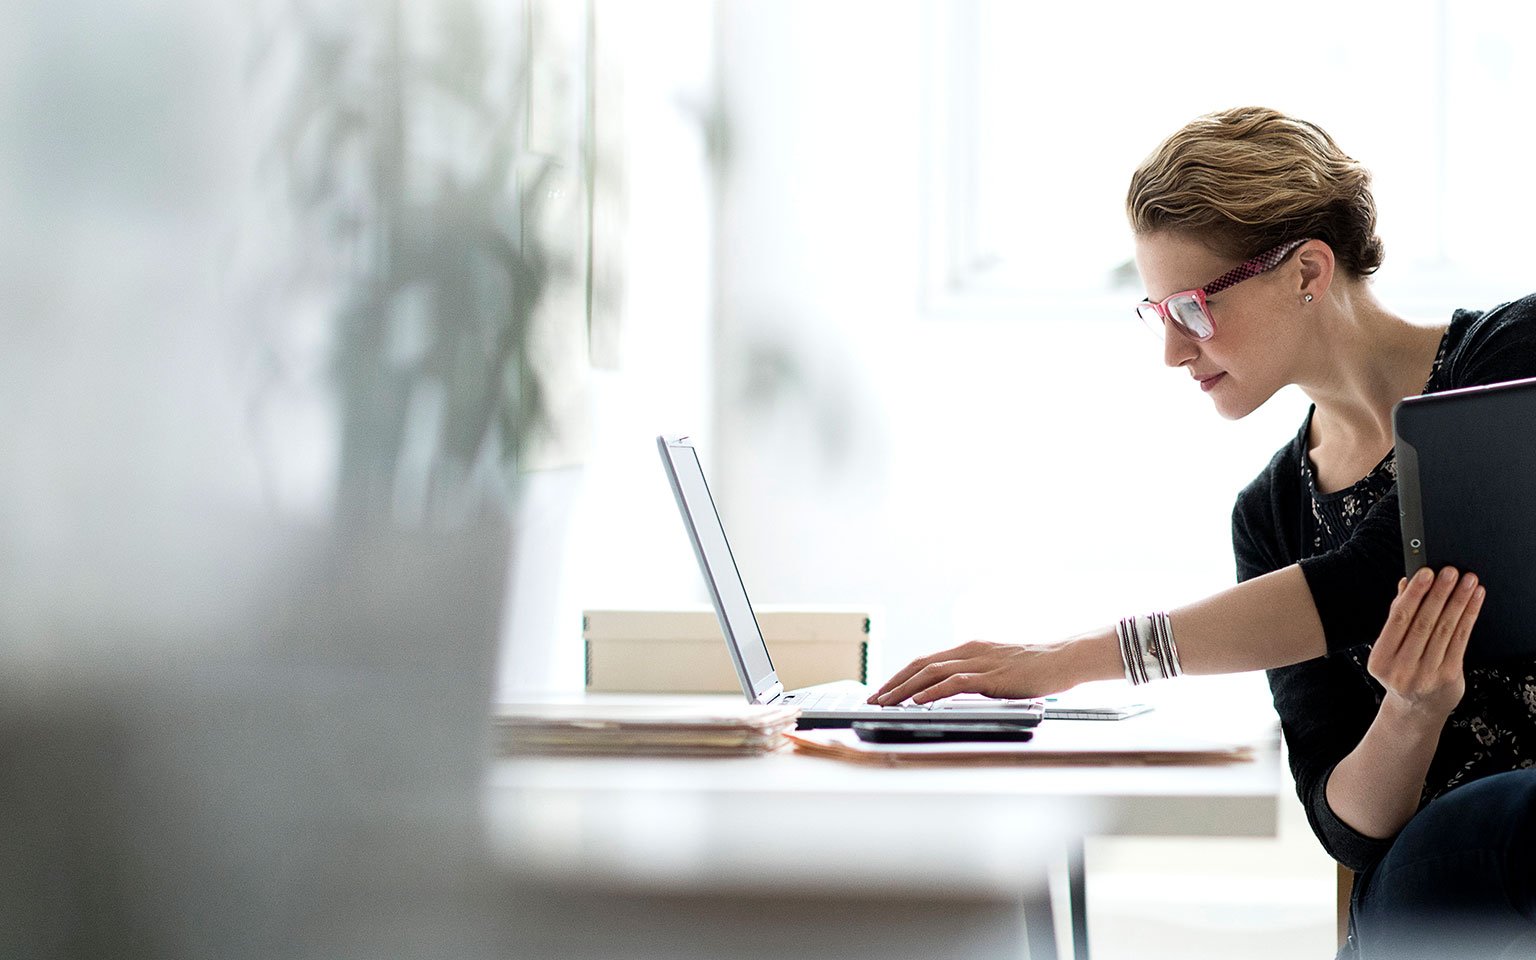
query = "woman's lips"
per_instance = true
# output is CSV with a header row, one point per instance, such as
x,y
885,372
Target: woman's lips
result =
x,y
1207,384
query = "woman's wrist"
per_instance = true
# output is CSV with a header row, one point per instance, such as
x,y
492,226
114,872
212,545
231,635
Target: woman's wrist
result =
x,y
1376,788
1094,656
1407,716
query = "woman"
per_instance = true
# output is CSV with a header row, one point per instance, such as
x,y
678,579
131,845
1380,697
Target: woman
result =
x,y
1412,771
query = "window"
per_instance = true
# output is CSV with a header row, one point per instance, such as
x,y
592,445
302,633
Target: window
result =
x,y
1038,115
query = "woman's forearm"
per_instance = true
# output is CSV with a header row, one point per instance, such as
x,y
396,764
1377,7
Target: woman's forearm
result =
x,y
1376,788
1269,621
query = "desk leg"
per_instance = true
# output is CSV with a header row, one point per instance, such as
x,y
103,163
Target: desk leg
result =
x,y
1077,897
1040,927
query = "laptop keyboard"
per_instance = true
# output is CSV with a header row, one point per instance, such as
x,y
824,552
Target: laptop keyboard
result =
x,y
832,700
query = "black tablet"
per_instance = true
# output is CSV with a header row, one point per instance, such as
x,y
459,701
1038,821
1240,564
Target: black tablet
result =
x,y
1466,482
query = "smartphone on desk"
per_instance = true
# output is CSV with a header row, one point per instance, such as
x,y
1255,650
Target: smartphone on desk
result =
x,y
950,730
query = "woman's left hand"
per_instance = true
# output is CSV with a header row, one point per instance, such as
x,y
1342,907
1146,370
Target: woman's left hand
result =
x,y
1418,657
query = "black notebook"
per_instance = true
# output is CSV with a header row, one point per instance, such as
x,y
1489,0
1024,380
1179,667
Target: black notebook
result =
x,y
1466,480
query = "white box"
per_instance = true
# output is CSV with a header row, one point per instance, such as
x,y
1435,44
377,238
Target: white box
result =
x,y
684,651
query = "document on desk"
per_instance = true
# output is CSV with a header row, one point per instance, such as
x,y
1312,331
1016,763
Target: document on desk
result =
x,y
1056,743
641,729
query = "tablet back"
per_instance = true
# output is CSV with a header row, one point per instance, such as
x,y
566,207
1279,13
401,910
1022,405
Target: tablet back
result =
x,y
1466,478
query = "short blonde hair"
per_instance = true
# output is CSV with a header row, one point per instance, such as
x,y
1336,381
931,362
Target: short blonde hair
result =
x,y
1249,179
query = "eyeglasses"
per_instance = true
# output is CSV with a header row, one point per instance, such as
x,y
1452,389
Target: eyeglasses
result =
x,y
1187,309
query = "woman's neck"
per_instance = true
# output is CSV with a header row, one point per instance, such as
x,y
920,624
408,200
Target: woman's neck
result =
x,y
1364,359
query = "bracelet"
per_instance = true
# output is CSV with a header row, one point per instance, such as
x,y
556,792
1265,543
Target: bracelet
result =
x,y
1147,649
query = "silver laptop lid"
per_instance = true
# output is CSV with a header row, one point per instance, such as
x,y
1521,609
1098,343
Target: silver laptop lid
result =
x,y
742,635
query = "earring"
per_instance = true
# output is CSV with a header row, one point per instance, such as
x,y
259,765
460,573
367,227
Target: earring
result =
x,y
1308,298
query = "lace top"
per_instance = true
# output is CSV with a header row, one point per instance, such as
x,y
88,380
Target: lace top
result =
x,y
1349,546
1488,731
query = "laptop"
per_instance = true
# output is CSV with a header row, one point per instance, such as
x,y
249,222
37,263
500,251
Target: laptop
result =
x,y
837,704
1465,459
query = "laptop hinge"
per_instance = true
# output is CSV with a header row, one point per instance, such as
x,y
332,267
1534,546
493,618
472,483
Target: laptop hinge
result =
x,y
772,695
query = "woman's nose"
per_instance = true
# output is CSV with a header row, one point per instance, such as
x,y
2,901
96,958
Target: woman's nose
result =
x,y
1177,348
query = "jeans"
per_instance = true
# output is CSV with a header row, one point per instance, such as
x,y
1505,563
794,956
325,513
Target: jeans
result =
x,y
1459,881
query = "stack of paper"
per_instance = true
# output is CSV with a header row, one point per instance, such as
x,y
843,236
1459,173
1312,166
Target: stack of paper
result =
x,y
654,729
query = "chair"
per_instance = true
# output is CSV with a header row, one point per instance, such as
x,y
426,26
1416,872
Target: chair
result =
x,y
1346,885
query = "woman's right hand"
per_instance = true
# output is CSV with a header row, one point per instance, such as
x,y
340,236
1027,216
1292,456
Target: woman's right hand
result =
x,y
1005,670
1418,656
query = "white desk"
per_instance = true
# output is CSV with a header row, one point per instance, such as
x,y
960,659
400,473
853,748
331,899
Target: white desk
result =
x,y
677,857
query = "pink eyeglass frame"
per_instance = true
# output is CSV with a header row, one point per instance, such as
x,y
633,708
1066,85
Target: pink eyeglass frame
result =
x,y
1248,269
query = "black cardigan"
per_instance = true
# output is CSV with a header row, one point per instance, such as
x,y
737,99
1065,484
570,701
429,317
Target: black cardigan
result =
x,y
1350,550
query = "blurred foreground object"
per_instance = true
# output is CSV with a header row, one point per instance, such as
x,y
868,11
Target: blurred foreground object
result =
x,y
269,302
425,168
308,792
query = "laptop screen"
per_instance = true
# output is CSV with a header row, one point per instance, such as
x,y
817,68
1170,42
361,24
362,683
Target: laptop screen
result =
x,y
720,574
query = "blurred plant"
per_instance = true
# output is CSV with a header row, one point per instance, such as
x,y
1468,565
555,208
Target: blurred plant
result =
x,y
399,143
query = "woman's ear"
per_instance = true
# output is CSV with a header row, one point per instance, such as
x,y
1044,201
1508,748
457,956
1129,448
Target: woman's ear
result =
x,y
1315,259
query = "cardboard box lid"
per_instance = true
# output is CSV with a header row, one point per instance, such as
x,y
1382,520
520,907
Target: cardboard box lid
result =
x,y
778,623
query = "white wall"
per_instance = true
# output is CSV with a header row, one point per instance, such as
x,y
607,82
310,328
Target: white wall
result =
x,y
959,472
606,534
970,476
